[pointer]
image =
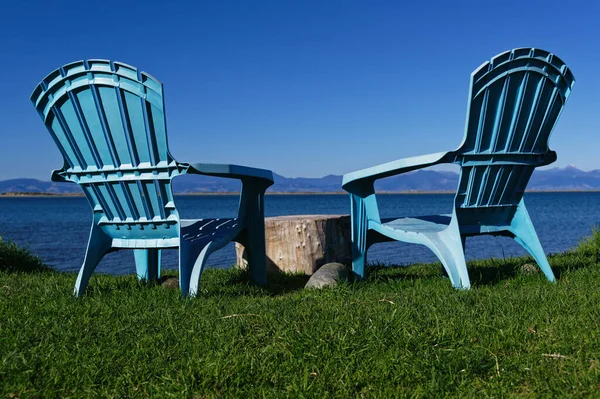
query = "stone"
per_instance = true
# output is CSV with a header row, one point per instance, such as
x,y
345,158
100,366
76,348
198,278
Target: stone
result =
x,y
303,243
529,269
170,282
328,275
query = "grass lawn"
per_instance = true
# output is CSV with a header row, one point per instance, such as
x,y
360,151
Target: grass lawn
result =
x,y
402,332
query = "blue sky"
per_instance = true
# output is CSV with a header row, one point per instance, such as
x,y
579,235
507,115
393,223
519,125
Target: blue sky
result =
x,y
305,88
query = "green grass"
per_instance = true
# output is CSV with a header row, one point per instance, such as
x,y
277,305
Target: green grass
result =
x,y
404,332
18,259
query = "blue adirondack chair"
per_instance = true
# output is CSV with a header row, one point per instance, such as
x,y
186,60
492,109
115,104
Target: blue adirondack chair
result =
x,y
515,101
108,120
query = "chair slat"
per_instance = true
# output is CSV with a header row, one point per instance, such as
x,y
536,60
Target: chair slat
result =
x,y
73,129
66,148
103,200
124,201
112,112
151,195
157,126
527,118
550,118
135,191
90,113
138,135
109,198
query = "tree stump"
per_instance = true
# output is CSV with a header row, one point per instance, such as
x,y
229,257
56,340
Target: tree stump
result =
x,y
303,243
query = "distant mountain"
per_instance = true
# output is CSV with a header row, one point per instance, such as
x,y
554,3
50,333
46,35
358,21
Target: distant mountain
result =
x,y
420,180
329,183
569,178
37,186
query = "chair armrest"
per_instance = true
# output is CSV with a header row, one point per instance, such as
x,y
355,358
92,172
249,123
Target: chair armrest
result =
x,y
244,173
366,177
57,176
549,158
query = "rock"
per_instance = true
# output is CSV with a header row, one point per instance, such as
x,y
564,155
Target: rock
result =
x,y
328,275
529,269
170,282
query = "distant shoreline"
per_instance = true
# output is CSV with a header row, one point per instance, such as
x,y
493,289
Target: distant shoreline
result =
x,y
35,194
200,194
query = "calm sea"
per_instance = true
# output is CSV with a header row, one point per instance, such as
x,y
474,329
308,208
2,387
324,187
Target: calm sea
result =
x,y
57,228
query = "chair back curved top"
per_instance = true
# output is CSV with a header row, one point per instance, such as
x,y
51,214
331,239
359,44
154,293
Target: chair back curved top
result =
x,y
108,121
515,101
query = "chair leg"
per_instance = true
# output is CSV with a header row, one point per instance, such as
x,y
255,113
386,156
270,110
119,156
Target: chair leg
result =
x,y
256,252
359,226
147,263
192,260
464,244
359,259
453,259
524,233
187,256
197,267
448,245
98,245
255,240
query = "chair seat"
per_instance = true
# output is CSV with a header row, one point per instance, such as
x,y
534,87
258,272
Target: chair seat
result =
x,y
419,224
198,230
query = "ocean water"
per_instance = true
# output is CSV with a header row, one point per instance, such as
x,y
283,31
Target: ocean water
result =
x,y
57,228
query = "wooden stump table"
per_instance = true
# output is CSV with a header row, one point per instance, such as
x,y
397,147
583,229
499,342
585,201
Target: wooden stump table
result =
x,y
303,243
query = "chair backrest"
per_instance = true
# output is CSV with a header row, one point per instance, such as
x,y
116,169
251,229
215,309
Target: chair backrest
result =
x,y
515,101
108,120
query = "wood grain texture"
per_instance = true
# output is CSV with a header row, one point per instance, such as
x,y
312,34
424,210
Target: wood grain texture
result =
x,y
303,243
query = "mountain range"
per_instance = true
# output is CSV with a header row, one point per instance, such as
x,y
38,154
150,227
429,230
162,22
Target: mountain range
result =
x,y
556,179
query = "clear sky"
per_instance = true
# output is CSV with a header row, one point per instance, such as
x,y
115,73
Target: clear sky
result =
x,y
305,88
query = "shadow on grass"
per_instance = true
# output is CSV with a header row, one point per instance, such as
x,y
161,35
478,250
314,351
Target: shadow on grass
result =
x,y
571,261
277,283
494,271
235,283
489,271
382,272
